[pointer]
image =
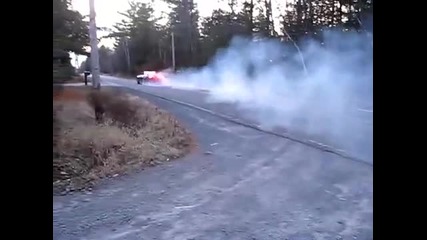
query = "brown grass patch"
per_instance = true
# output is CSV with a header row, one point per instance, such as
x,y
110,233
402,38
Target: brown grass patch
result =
x,y
130,133
73,79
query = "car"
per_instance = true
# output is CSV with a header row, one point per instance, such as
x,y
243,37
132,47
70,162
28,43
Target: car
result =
x,y
149,77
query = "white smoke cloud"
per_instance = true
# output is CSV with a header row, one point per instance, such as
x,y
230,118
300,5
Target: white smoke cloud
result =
x,y
267,78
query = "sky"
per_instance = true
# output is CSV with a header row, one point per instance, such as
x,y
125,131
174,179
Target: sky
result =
x,y
107,13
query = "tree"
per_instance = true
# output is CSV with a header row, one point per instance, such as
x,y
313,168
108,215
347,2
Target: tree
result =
x,y
183,22
145,44
137,39
106,59
261,23
247,15
269,17
218,29
216,33
70,32
305,17
232,4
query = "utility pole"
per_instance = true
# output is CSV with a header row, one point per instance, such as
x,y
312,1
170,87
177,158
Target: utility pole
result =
x,y
94,54
173,52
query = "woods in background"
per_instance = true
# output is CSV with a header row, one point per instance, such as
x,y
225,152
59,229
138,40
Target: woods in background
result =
x,y
142,43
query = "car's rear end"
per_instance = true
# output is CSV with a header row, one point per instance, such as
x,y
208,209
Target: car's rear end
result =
x,y
149,77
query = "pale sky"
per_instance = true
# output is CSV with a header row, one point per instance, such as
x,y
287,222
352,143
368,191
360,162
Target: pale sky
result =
x,y
107,12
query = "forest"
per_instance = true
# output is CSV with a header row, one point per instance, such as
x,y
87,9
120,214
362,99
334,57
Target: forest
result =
x,y
142,43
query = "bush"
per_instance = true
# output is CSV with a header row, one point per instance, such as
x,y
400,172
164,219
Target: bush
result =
x,y
116,108
63,72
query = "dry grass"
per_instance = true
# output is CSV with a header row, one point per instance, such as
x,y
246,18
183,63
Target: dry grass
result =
x,y
130,134
78,79
74,79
